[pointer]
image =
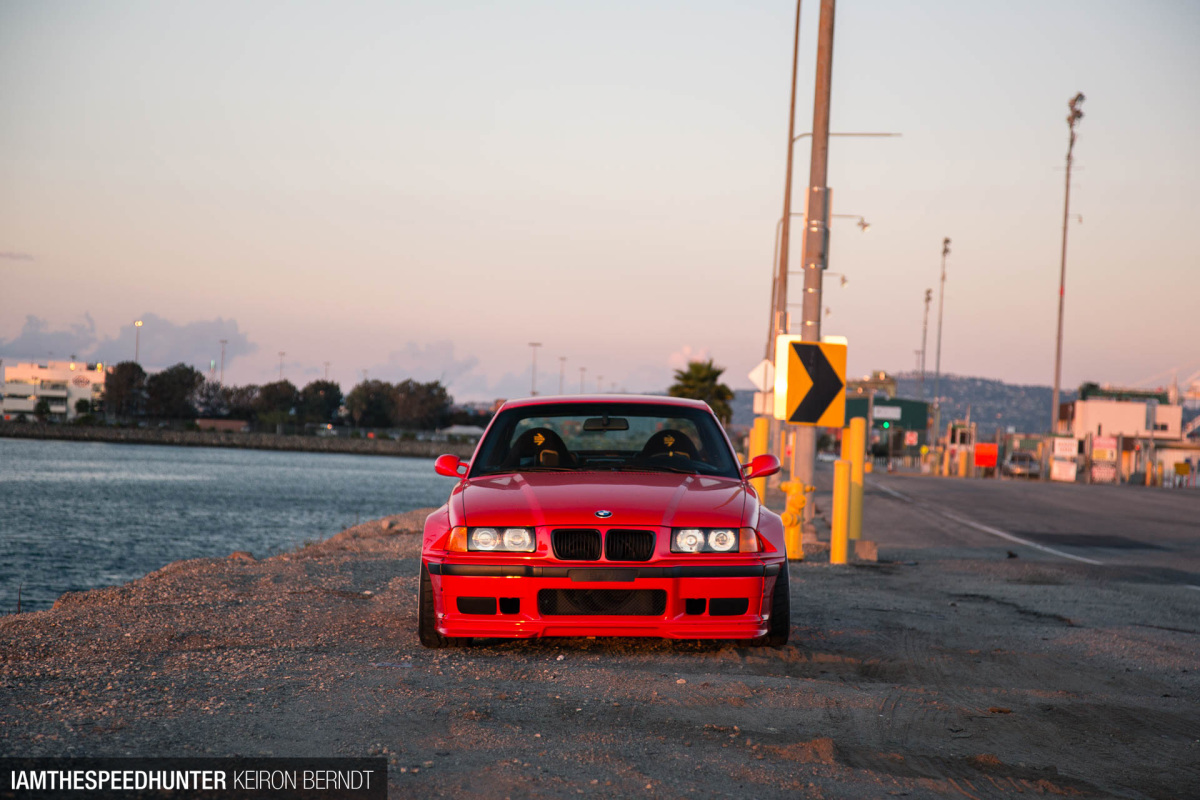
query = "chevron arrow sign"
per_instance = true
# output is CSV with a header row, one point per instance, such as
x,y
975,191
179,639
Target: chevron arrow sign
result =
x,y
810,382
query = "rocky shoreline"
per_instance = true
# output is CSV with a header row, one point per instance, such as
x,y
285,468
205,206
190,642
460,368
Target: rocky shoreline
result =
x,y
247,441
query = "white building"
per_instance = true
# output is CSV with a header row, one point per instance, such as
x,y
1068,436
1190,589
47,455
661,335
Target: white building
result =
x,y
1132,419
61,383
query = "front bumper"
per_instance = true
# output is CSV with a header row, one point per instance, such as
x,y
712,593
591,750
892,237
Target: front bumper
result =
x,y
517,600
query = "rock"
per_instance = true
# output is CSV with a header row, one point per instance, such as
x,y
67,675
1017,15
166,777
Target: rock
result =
x,y
241,555
865,550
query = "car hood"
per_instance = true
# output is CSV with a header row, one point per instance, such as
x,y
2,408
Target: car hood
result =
x,y
572,499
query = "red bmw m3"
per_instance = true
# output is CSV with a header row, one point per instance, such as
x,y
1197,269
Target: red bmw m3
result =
x,y
604,516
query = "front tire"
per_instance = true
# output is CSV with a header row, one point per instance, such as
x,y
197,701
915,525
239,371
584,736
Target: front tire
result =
x,y
426,623
781,614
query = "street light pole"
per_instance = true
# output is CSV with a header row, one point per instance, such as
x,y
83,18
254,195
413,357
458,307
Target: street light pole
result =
x,y
1072,120
137,341
779,285
925,337
816,240
562,373
281,355
533,346
223,343
582,372
937,380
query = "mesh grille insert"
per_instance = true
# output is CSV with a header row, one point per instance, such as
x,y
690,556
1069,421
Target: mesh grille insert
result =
x,y
629,545
609,602
576,545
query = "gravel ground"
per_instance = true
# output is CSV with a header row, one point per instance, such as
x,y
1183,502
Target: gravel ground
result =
x,y
933,673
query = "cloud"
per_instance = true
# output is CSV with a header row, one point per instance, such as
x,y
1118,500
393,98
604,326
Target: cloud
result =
x,y
680,358
37,342
12,255
428,362
162,342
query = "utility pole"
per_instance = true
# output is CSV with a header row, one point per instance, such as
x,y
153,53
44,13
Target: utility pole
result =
x,y
562,373
925,338
137,341
1072,120
937,380
223,343
533,346
816,240
281,355
326,370
582,372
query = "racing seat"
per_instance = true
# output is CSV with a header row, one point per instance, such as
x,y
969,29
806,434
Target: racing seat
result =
x,y
539,447
668,443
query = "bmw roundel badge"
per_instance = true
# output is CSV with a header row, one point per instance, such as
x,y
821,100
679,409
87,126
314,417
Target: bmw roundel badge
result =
x,y
603,514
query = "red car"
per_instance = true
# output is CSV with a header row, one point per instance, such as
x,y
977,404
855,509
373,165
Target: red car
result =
x,y
604,516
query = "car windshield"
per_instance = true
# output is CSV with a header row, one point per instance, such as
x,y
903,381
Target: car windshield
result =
x,y
605,437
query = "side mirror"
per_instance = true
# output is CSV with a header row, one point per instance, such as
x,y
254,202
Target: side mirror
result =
x,y
759,467
449,465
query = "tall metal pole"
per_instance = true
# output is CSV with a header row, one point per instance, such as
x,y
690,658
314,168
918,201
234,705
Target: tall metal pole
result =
x,y
779,286
281,355
816,239
326,370
925,338
582,372
223,343
937,381
137,342
533,346
562,373
1072,119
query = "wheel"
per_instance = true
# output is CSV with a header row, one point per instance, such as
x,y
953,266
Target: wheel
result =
x,y
426,624
781,614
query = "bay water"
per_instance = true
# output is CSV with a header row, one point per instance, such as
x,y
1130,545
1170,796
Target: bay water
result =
x,y
82,515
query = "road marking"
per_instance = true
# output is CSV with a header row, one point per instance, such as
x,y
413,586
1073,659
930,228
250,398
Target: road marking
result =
x,y
993,531
1197,588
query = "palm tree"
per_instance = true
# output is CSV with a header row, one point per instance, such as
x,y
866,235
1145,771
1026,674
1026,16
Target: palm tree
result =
x,y
701,381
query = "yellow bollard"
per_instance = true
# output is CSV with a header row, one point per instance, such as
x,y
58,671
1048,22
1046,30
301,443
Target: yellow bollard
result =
x,y
792,516
858,449
759,436
962,462
839,542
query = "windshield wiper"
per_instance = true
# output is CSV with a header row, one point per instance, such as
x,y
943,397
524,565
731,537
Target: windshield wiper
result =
x,y
656,468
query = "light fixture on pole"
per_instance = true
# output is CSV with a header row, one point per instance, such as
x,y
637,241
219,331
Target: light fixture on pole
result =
x,y
137,341
1072,120
533,346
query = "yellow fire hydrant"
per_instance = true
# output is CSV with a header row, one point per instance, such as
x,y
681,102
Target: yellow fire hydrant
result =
x,y
793,516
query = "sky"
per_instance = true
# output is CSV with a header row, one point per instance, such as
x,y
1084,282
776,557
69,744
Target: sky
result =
x,y
421,189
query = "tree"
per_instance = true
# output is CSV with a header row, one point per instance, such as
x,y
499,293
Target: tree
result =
x,y
701,381
241,400
83,406
171,393
424,406
372,404
125,389
41,409
212,400
320,401
275,401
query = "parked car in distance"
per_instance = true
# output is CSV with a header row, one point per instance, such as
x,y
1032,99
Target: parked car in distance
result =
x,y
1022,465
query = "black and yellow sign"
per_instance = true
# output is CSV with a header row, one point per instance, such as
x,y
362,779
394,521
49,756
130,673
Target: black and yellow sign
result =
x,y
810,382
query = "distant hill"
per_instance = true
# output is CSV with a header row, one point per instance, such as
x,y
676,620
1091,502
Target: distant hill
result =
x,y
993,403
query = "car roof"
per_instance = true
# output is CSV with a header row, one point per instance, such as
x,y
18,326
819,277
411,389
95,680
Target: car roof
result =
x,y
643,399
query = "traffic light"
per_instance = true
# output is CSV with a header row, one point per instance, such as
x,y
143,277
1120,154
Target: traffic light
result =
x,y
886,425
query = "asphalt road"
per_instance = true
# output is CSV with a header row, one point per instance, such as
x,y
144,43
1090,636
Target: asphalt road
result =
x,y
1126,533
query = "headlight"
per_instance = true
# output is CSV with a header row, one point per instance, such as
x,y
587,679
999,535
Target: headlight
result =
x,y
506,540
714,540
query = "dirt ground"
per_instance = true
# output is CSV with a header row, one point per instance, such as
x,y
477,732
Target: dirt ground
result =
x,y
928,674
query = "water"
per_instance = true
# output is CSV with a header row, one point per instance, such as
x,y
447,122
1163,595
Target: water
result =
x,y
81,515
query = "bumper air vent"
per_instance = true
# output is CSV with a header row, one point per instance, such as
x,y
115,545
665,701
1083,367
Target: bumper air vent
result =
x,y
602,602
628,545
576,545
